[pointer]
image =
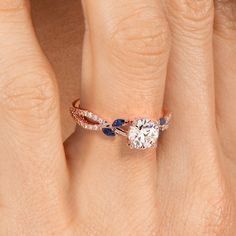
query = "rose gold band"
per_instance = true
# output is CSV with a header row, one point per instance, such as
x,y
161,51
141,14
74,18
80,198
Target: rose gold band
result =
x,y
144,128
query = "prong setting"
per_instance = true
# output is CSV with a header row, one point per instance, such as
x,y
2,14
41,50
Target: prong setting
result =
x,y
143,134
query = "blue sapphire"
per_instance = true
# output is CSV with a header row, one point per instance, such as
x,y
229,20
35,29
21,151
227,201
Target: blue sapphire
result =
x,y
162,121
108,132
118,123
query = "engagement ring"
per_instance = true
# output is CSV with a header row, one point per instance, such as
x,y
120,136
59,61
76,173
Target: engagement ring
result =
x,y
141,133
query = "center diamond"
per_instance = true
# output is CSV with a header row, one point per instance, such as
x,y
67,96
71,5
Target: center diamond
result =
x,y
143,133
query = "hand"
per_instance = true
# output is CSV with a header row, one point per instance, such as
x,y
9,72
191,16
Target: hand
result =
x,y
134,53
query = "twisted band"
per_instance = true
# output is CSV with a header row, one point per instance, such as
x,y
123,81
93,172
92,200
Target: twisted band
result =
x,y
141,133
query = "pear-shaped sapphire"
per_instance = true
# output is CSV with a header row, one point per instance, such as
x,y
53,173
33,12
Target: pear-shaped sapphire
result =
x,y
108,132
118,123
162,121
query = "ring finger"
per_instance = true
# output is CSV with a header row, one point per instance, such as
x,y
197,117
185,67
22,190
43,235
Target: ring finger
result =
x,y
126,51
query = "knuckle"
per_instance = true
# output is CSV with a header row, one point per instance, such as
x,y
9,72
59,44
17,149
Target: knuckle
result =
x,y
219,216
140,42
213,196
29,96
225,17
193,15
199,10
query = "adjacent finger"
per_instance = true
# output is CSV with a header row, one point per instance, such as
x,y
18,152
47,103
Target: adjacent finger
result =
x,y
32,163
189,159
225,71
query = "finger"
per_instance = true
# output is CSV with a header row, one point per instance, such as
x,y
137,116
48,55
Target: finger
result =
x,y
190,83
32,164
225,71
189,158
125,59
63,46
129,60
191,66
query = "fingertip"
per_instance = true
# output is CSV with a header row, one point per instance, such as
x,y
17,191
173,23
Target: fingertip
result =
x,y
225,19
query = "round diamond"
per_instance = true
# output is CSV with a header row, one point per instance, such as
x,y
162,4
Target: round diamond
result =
x,y
143,134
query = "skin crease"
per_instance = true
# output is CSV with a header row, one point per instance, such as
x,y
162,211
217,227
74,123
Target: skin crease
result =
x,y
184,48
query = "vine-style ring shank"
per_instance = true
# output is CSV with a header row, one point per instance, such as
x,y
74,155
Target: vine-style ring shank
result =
x,y
142,133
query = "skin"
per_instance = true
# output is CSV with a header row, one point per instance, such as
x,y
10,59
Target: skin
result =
x,y
137,56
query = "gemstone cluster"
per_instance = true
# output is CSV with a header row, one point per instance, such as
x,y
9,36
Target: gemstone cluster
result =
x,y
141,133
112,131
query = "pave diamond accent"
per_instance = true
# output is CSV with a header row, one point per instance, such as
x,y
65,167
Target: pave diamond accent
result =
x,y
143,133
80,116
